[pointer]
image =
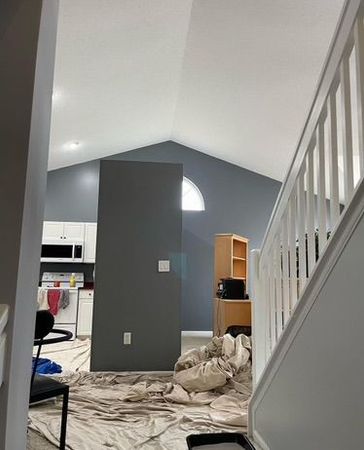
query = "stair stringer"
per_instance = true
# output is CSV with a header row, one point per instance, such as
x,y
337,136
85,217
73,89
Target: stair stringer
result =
x,y
351,217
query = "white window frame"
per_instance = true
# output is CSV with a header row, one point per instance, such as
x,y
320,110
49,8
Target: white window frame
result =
x,y
200,203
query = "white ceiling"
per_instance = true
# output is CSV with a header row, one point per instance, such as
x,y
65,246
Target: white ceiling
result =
x,y
118,65
233,79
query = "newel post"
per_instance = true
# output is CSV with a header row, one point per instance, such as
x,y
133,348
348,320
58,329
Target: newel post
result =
x,y
258,316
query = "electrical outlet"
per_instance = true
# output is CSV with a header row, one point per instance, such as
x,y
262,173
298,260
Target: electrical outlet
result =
x,y
127,338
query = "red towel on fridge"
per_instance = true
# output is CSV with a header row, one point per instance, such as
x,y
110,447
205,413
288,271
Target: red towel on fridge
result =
x,y
54,296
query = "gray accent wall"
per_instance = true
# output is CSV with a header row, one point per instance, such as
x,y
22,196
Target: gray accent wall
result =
x,y
137,227
237,201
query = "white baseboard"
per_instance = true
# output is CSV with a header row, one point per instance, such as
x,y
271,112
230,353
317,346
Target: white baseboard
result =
x,y
202,334
258,442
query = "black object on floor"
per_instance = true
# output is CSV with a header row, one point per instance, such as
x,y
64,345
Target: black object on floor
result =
x,y
41,386
196,440
44,388
235,330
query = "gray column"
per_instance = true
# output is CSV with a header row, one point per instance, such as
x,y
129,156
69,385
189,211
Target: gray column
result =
x,y
139,223
27,49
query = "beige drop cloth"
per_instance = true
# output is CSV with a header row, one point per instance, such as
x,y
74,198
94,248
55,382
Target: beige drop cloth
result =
x,y
73,356
153,411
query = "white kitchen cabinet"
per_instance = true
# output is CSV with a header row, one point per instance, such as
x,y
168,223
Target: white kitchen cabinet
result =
x,y
85,312
71,231
89,253
74,231
52,231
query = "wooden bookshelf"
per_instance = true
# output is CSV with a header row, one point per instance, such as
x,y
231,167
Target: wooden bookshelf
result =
x,y
231,261
231,312
231,257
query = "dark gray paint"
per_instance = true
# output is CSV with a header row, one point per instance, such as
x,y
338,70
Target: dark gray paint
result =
x,y
237,201
27,49
136,228
72,193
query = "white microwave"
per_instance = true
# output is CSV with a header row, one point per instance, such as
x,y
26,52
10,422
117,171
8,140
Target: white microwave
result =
x,y
55,251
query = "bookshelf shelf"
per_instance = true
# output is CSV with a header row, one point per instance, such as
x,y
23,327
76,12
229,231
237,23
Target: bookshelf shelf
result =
x,y
231,261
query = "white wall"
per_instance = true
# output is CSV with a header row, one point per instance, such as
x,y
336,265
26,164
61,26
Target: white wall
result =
x,y
316,400
27,47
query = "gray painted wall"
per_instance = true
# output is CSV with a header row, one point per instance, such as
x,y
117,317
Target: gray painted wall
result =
x,y
315,400
136,228
237,200
27,49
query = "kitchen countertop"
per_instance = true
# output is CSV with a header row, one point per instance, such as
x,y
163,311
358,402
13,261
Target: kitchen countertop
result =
x,y
84,288
60,287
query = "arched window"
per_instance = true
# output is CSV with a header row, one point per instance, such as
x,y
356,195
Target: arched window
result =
x,y
192,199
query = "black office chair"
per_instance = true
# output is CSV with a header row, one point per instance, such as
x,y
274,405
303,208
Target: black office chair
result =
x,y
43,387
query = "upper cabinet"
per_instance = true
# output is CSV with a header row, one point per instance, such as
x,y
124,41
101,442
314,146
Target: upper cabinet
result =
x,y
89,253
71,231
53,231
77,232
74,231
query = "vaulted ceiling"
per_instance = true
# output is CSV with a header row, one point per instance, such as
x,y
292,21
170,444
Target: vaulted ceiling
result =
x,y
233,79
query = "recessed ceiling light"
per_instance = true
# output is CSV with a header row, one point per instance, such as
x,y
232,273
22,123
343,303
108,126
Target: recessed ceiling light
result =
x,y
73,145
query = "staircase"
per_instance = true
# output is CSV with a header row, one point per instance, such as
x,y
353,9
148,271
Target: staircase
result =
x,y
308,274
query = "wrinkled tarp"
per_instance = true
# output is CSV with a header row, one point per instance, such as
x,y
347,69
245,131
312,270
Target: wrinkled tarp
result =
x,y
155,411
73,356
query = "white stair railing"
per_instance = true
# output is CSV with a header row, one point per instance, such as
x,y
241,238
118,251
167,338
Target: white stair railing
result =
x,y
327,168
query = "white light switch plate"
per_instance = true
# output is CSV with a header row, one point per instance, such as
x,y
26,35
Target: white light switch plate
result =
x,y
164,265
127,338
